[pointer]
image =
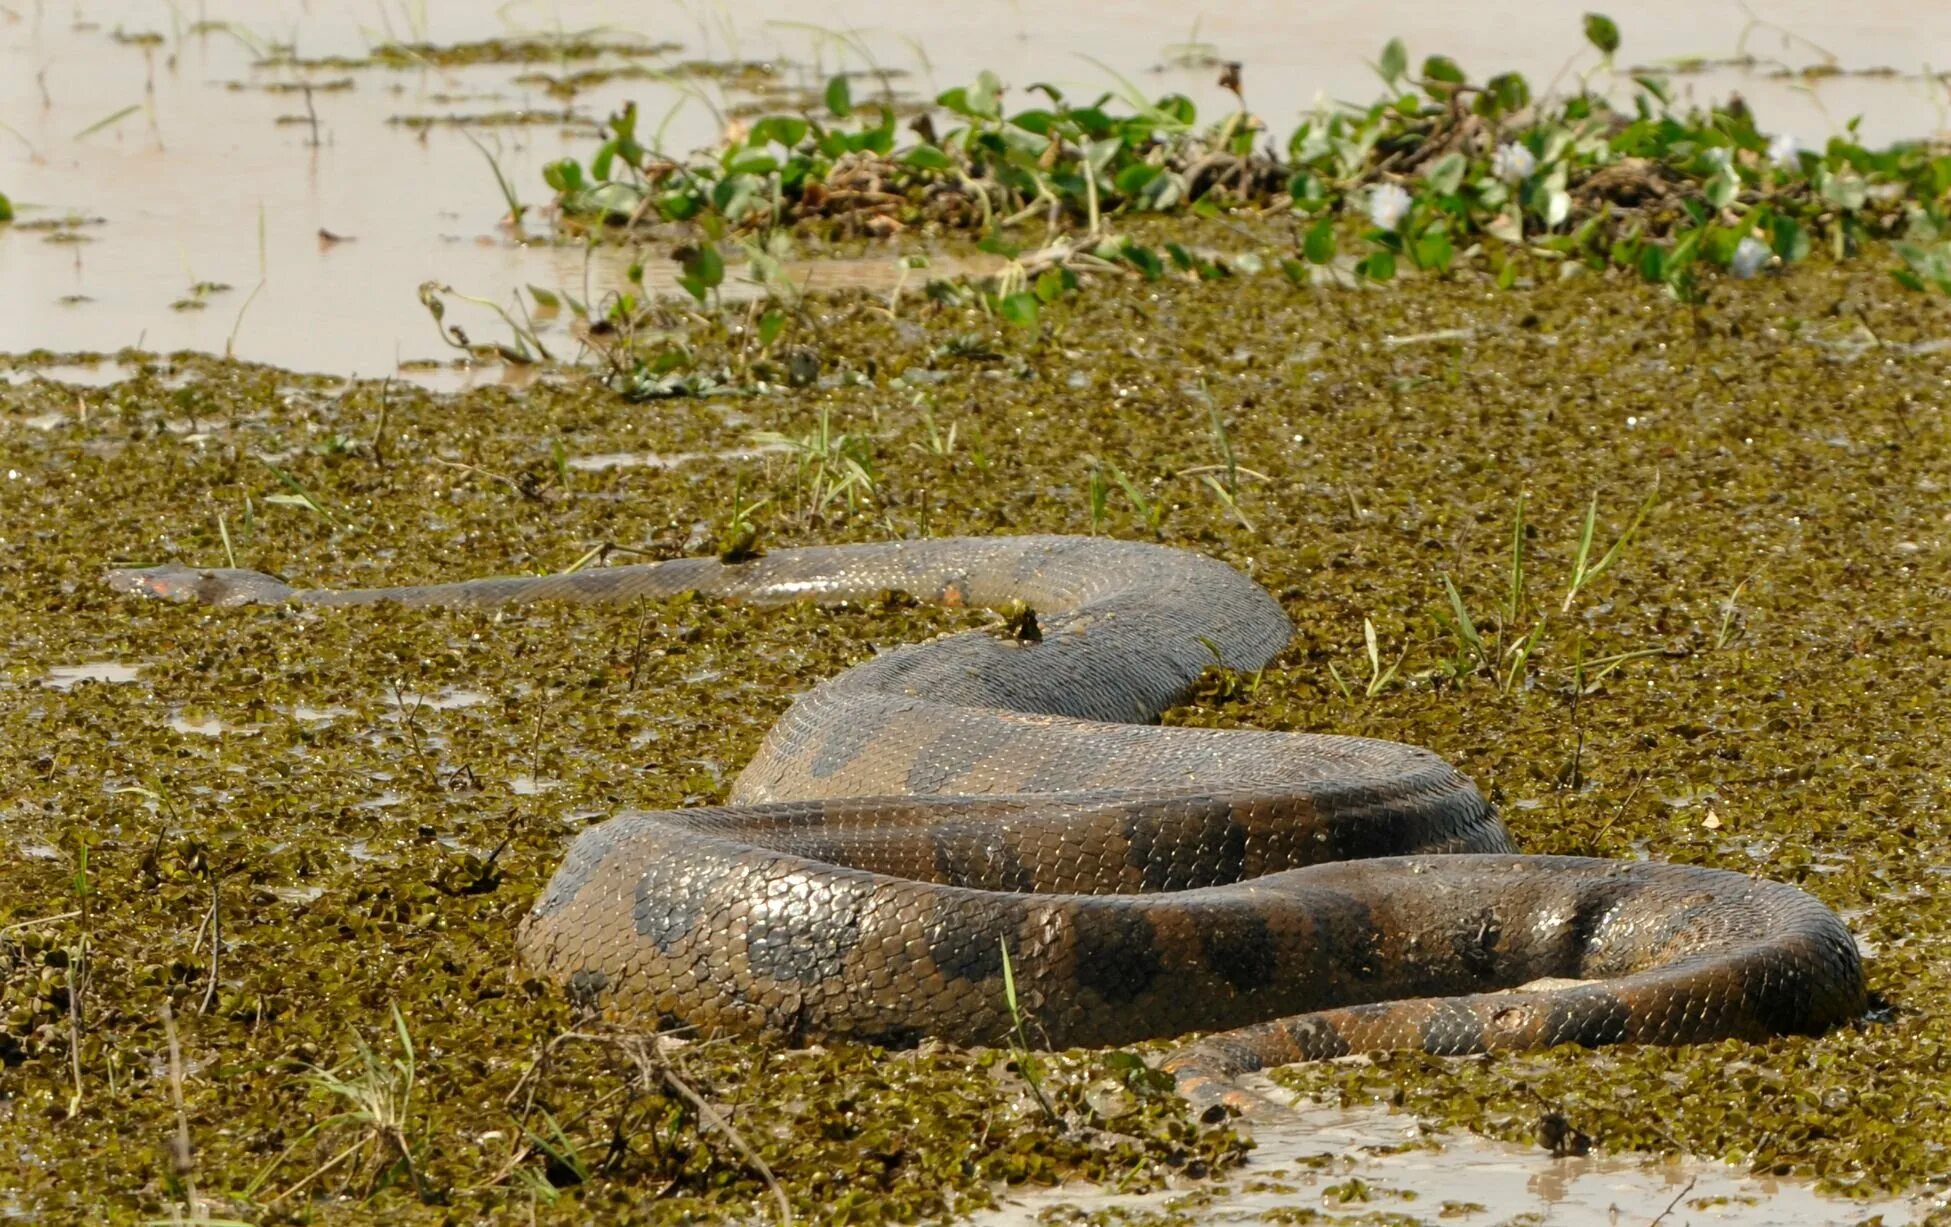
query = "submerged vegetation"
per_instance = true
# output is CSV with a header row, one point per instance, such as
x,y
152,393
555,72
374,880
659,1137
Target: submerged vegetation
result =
x,y
1633,565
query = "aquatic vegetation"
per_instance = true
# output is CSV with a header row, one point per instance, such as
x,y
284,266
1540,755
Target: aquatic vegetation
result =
x,y
285,825
1442,168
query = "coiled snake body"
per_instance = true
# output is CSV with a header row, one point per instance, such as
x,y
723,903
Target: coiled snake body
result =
x,y
912,823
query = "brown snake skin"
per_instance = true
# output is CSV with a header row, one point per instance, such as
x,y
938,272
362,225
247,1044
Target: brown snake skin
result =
x,y
1306,896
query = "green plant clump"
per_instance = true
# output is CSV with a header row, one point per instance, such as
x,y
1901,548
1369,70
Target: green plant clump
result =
x,y
1441,168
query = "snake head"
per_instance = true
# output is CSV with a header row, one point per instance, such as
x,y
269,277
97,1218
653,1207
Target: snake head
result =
x,y
201,585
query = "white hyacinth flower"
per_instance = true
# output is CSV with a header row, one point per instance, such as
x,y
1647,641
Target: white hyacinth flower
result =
x,y
1783,149
1750,254
1388,204
1513,163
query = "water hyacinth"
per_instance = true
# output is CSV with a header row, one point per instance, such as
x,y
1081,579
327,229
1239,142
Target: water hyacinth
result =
x,y
1569,176
1513,163
1750,255
1388,204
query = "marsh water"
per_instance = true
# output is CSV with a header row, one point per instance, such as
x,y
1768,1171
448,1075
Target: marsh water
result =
x,y
249,187
254,155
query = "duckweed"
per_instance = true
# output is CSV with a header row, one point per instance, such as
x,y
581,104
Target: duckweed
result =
x,y
291,824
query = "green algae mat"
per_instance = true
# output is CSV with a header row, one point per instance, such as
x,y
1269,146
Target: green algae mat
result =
x,y
1667,579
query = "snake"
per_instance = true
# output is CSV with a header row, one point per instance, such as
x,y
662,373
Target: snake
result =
x,y
990,834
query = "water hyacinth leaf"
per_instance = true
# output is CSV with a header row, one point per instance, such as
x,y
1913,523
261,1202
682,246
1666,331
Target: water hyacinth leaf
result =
x,y
704,269
839,97
1034,122
787,130
1134,179
1684,250
1178,108
1504,93
749,162
1307,190
927,157
1319,245
1379,265
1845,191
1433,250
679,206
1722,186
1788,238
1394,62
1652,262
1558,206
1602,32
564,175
1657,87
770,326
1444,69
1445,174
1145,260
1019,308
1052,282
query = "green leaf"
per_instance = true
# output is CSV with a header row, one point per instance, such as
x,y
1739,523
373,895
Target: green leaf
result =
x,y
1446,173
1307,190
1652,262
1789,239
788,130
1442,68
1133,179
545,299
704,269
1845,191
1145,260
564,175
1050,284
1655,86
839,97
1179,107
750,162
1319,246
1433,250
1379,265
1722,186
770,326
1020,309
1395,62
1683,251
1602,33
1504,93
927,157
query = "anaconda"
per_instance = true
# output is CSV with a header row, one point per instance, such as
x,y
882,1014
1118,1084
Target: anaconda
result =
x,y
918,821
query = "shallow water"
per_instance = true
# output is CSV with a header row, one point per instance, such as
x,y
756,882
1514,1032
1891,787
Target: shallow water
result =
x,y
319,232
1344,1164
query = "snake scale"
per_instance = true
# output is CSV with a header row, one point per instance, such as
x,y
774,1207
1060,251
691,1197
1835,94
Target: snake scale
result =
x,y
914,822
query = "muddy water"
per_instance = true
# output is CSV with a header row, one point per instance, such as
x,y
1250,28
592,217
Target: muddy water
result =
x,y
1347,1165
321,213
